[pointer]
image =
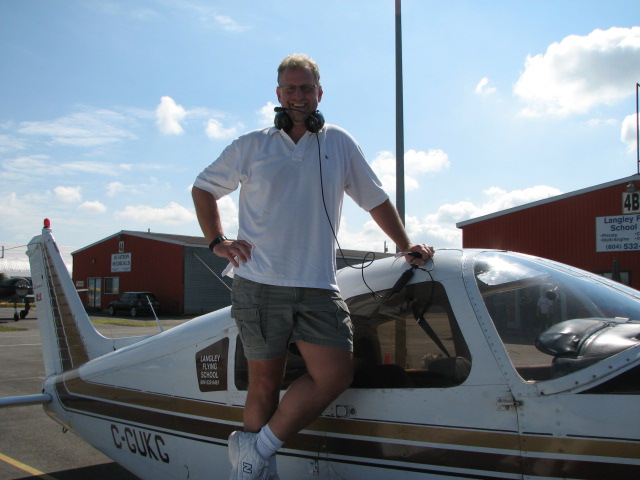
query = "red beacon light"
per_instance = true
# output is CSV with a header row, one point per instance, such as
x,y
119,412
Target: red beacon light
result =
x,y
47,223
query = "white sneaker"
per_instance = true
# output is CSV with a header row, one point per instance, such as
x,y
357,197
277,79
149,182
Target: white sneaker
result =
x,y
246,462
273,468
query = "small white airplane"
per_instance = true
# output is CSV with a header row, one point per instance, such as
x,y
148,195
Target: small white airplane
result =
x,y
461,373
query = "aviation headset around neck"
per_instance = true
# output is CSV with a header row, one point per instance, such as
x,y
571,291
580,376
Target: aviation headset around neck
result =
x,y
314,122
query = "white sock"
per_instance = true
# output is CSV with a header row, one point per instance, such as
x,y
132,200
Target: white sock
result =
x,y
267,443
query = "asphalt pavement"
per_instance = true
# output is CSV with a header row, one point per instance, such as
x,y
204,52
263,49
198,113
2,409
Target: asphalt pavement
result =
x,y
32,445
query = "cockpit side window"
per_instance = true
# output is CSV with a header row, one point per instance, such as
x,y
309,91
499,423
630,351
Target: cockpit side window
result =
x,y
410,339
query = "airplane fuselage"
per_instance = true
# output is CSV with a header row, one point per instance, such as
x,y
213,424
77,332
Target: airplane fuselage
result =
x,y
447,383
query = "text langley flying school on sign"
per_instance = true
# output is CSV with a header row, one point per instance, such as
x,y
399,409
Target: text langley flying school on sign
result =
x,y
618,233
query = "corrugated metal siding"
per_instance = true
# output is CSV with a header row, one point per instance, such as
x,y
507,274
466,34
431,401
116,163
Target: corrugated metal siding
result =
x,y
155,266
87,263
203,291
564,231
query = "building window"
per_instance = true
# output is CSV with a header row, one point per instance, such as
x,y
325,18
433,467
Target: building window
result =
x,y
112,285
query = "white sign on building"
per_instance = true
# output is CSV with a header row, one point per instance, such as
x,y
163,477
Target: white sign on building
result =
x,y
121,262
620,233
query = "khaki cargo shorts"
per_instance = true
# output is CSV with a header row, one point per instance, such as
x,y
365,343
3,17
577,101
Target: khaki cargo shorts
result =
x,y
271,317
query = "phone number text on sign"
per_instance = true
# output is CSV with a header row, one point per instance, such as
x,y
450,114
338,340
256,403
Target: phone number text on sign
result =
x,y
618,233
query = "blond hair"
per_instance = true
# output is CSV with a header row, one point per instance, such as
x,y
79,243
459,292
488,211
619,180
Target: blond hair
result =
x,y
299,60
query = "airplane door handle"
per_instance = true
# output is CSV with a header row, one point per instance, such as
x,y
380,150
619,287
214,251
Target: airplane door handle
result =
x,y
507,403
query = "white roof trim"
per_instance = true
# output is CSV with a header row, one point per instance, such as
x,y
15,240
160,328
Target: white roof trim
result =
x,y
632,178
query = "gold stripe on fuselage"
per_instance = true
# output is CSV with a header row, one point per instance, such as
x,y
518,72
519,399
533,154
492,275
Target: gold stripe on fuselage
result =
x,y
71,385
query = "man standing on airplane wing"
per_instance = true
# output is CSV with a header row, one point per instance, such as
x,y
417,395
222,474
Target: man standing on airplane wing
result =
x,y
292,180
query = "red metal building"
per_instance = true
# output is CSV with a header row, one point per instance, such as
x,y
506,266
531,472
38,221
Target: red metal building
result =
x,y
596,229
180,270
170,266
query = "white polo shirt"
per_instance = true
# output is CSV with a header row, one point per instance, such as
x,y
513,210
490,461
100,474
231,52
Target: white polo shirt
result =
x,y
282,213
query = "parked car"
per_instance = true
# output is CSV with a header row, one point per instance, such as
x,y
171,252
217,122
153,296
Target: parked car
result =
x,y
135,303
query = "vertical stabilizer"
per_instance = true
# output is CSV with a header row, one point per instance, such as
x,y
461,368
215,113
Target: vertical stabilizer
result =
x,y
68,336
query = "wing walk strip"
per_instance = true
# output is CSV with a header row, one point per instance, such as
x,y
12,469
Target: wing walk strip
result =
x,y
187,417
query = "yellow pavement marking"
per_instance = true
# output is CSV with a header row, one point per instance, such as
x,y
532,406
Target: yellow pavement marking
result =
x,y
26,468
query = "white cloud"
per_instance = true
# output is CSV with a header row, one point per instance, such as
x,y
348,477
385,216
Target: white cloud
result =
x,y
483,87
33,167
68,194
216,130
169,115
229,216
418,162
229,24
384,166
22,213
368,238
206,14
606,122
629,132
500,199
10,143
85,129
439,228
92,207
25,167
266,113
581,72
415,163
11,208
209,17
117,188
435,233
172,214
99,168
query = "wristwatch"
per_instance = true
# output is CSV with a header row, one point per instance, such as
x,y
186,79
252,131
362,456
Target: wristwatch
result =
x,y
216,241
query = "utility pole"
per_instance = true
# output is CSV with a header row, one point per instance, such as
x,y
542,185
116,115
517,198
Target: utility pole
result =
x,y
399,118
637,132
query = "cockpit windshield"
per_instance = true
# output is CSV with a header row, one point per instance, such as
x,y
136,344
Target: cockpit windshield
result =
x,y
554,321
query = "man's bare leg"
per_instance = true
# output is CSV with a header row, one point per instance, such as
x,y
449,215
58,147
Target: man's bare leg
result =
x,y
330,372
265,381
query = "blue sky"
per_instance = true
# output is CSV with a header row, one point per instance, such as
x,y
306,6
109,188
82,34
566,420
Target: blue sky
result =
x,y
109,109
